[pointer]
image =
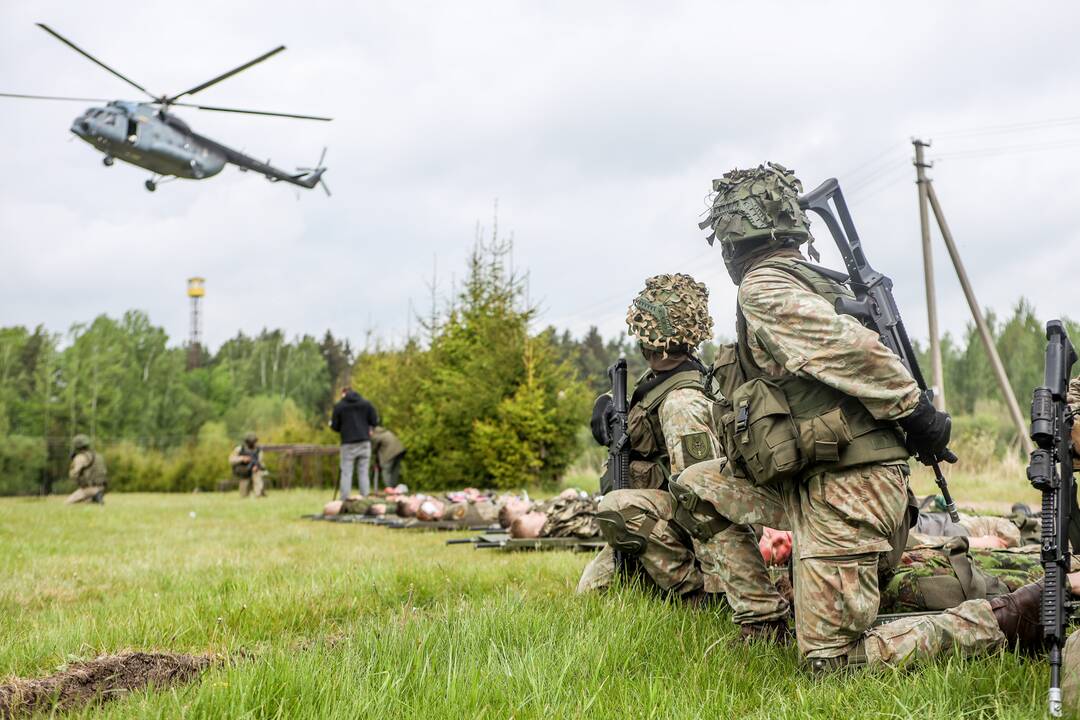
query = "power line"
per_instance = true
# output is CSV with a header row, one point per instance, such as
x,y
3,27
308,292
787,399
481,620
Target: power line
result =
x,y
870,164
1008,149
1011,127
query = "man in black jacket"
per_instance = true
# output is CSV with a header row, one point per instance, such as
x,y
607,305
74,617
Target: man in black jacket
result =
x,y
353,419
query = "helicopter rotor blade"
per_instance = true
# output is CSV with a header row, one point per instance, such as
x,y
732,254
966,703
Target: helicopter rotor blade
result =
x,y
223,76
252,112
52,97
91,58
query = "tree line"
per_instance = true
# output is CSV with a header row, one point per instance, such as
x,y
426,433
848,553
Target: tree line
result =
x,y
479,397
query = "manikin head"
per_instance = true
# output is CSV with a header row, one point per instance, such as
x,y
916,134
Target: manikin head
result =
x,y
528,525
407,506
513,508
376,510
430,509
332,508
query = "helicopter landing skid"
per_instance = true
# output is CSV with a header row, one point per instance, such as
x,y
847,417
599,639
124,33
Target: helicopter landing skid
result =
x,y
155,180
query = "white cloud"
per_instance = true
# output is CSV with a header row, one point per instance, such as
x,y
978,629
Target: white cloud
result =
x,y
598,126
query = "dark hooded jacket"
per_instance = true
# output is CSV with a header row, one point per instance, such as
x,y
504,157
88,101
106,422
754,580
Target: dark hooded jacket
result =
x,y
353,418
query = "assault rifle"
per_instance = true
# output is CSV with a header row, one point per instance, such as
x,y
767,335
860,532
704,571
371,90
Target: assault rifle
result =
x,y
1051,473
619,449
874,305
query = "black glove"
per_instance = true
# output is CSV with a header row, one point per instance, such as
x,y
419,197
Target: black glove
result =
x,y
603,414
928,431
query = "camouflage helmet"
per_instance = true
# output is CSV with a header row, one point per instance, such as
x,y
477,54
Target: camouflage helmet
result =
x,y
250,438
80,442
671,313
752,207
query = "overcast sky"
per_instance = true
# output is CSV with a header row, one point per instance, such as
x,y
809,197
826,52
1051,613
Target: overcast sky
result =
x,y
598,126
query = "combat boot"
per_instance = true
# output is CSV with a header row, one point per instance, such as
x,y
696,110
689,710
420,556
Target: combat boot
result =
x,y
702,600
1017,615
774,632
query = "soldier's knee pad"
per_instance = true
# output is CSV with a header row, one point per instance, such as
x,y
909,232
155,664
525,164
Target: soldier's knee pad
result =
x,y
612,524
696,517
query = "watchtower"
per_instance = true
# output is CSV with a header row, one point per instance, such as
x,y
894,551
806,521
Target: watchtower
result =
x,y
196,291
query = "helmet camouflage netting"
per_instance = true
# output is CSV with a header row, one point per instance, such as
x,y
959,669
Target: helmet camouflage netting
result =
x,y
672,312
752,206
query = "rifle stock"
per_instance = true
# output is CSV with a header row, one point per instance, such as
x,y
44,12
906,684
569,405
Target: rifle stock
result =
x,y
1051,472
874,304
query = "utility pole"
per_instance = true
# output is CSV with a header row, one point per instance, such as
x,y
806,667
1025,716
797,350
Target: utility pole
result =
x,y
922,183
980,321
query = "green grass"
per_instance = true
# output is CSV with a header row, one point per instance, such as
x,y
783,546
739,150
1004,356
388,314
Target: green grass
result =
x,y
330,620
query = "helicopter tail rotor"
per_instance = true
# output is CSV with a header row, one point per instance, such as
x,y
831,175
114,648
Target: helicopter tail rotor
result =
x,y
312,176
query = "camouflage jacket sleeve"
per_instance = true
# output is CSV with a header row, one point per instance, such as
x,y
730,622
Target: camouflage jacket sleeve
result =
x,y
793,329
686,419
1073,396
80,462
236,458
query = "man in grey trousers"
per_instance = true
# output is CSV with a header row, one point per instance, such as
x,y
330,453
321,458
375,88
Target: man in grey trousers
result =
x,y
353,419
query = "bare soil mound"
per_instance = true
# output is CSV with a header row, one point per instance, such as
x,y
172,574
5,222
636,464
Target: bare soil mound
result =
x,y
99,680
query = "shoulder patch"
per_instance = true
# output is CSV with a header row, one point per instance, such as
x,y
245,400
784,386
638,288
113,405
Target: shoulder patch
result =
x,y
697,446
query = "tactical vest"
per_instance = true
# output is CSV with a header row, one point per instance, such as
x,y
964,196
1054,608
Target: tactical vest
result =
x,y
94,474
246,469
650,466
775,428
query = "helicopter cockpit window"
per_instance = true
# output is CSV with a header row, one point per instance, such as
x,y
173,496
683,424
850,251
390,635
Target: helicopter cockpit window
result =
x,y
110,119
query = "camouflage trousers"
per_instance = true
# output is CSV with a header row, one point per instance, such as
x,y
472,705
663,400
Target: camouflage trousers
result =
x,y
84,494
254,485
672,563
844,525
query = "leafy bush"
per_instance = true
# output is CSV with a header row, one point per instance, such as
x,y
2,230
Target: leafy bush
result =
x,y
22,464
486,403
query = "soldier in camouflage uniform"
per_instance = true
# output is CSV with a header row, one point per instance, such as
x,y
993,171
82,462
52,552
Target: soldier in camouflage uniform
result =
x,y
87,471
813,435
670,428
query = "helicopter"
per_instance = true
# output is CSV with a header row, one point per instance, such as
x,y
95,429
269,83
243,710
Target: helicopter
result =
x,y
145,134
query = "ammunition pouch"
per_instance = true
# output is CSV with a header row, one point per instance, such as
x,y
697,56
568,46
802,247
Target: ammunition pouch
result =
x,y
689,511
243,471
646,475
779,428
760,434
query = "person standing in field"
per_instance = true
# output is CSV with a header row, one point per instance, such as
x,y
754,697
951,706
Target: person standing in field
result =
x,y
247,467
388,452
353,418
87,471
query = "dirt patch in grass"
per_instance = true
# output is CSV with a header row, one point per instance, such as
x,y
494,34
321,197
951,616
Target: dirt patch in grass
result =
x,y
99,680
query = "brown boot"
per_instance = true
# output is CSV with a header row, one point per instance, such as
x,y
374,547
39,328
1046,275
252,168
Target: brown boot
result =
x,y
775,632
701,599
1017,615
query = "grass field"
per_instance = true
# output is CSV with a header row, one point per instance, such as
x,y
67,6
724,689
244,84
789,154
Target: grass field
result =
x,y
329,620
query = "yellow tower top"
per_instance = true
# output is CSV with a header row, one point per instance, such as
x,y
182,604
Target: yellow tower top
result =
x,y
195,287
